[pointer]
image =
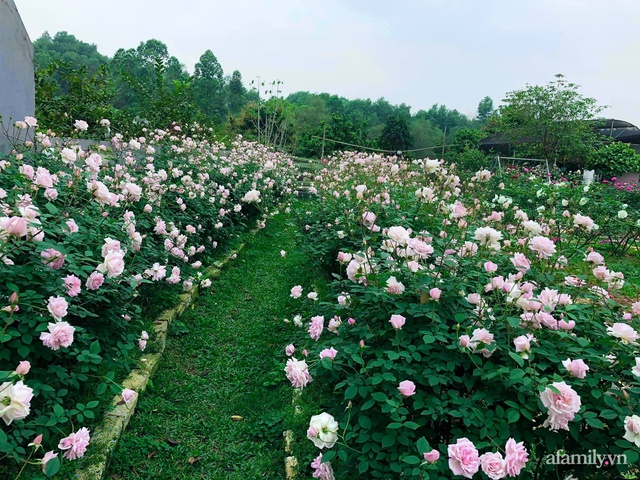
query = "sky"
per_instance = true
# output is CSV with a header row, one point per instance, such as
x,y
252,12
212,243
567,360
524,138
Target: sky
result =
x,y
418,52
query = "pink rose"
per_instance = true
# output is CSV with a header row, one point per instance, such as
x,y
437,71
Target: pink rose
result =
x,y
564,325
435,293
296,292
490,267
516,457
60,335
72,283
95,281
57,307
523,344
464,341
521,262
297,373
394,287
493,465
595,258
432,456
72,226
75,444
397,321
16,226
23,367
543,246
577,368
316,326
407,388
52,258
127,395
463,458
113,264
329,353
289,349
561,407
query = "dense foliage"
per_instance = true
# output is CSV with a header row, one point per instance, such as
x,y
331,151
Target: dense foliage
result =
x,y
474,319
93,238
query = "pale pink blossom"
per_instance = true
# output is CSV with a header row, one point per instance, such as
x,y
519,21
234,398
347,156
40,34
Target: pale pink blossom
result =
x,y
543,246
315,327
72,226
94,281
636,370
60,335
490,267
57,307
432,456
329,353
516,457
23,367
296,292
113,264
577,368
435,293
289,349
521,262
624,332
407,388
322,471
52,258
75,444
73,285
595,258
463,458
561,407
127,395
394,287
397,321
15,226
523,344
493,465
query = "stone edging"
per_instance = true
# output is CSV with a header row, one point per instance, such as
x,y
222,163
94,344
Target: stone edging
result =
x,y
290,461
105,437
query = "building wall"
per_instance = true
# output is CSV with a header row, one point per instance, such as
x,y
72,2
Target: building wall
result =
x,y
17,84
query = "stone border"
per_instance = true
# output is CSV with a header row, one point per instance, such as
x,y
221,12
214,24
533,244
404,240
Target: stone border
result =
x,y
290,461
104,438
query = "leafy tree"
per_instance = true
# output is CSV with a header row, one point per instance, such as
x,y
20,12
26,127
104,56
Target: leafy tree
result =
x,y
208,87
425,134
551,121
396,134
236,93
485,109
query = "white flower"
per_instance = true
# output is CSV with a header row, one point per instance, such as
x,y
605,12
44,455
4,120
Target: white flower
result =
x,y
632,429
323,430
251,196
624,332
583,200
622,214
15,401
636,370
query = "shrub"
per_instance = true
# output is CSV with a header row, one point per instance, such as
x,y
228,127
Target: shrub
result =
x,y
88,238
464,328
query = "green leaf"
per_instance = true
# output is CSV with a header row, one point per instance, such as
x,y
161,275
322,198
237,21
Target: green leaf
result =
x,y
411,460
24,351
632,457
411,425
363,466
92,404
327,457
394,425
513,415
52,467
428,338
101,389
5,447
379,396
53,210
423,445
95,347
388,440
519,360
350,392
595,423
365,422
608,414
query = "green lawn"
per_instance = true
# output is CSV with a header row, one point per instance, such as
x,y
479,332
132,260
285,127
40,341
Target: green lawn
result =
x,y
224,358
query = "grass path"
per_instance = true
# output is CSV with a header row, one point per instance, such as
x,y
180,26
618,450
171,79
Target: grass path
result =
x,y
224,358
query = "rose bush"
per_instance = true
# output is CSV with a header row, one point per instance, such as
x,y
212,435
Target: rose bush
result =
x,y
91,241
504,345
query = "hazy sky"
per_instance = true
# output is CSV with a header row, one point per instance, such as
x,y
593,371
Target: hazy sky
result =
x,y
450,52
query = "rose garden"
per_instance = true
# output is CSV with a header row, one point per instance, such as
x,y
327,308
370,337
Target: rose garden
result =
x,y
460,324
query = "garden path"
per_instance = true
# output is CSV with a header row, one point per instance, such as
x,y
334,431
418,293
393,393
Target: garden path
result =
x,y
217,405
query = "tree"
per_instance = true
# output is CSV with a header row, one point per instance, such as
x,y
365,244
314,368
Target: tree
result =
x,y
396,134
236,93
208,87
552,122
485,109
